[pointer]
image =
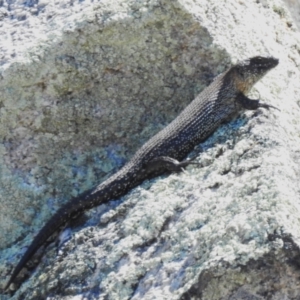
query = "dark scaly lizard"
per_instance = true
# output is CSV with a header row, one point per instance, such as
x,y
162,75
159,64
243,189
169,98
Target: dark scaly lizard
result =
x,y
165,152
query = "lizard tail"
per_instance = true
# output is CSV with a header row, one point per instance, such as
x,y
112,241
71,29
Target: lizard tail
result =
x,y
110,189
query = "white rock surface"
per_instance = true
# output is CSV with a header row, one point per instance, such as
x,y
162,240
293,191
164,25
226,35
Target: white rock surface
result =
x,y
294,9
82,90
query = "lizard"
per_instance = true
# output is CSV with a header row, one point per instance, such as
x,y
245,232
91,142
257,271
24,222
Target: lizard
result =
x,y
166,151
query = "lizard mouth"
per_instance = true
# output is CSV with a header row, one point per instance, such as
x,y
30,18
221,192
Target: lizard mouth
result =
x,y
271,62
263,63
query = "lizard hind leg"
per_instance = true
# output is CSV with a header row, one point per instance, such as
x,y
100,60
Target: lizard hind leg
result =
x,y
169,164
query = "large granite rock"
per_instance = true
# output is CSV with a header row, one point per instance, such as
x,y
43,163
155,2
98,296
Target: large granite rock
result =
x,y
83,85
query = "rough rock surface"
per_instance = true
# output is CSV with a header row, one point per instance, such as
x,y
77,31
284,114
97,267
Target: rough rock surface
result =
x,y
83,85
294,8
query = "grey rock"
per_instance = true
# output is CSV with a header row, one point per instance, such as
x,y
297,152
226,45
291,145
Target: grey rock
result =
x,y
294,9
83,85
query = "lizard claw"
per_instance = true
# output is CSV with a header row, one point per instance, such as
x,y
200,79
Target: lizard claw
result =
x,y
267,106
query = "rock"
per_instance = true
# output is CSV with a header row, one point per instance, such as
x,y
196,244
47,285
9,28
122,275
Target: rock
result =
x,y
93,82
294,9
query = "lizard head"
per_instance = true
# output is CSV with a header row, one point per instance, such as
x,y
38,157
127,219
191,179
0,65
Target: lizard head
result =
x,y
249,71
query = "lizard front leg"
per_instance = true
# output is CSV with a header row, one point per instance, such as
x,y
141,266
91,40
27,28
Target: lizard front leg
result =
x,y
251,104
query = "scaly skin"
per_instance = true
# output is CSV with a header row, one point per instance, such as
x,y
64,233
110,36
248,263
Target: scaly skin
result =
x,y
165,152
